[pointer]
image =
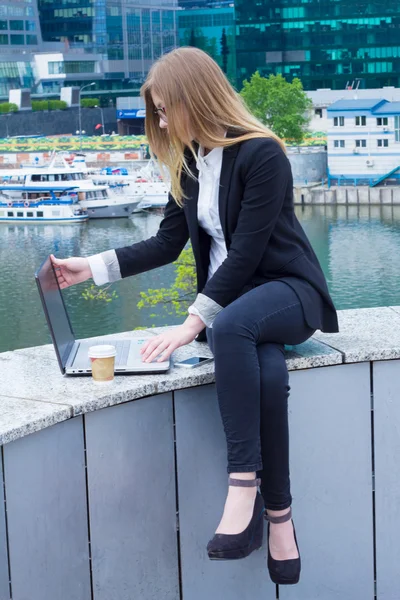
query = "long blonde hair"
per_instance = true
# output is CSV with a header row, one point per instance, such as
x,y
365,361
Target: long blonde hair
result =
x,y
196,95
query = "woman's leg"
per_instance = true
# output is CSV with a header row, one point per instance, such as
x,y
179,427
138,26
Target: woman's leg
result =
x,y
269,315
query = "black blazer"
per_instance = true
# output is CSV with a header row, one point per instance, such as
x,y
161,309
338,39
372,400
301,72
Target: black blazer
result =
x,y
264,239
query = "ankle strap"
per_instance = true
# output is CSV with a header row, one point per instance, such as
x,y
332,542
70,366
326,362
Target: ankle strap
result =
x,y
281,519
244,482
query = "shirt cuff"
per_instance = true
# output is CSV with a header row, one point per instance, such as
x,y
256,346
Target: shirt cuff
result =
x,y
104,267
205,308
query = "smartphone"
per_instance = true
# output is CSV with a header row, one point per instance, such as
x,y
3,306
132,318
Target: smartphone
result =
x,y
194,361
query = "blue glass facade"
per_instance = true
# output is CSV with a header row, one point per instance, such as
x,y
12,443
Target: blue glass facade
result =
x,y
204,28
326,43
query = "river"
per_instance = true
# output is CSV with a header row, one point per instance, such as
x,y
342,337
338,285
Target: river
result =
x,y
358,248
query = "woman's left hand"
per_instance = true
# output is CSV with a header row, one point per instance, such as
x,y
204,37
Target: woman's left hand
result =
x,y
167,342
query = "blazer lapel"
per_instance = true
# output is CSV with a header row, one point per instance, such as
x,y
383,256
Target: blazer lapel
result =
x,y
228,161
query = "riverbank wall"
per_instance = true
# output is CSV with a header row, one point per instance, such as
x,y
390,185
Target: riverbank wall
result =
x,y
350,195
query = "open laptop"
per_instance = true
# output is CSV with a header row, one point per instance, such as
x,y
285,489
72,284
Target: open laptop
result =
x,y
72,354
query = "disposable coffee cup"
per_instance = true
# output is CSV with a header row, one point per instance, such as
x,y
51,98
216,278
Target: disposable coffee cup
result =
x,y
102,359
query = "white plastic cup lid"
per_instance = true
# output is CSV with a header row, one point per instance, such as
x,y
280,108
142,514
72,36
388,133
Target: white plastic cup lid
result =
x,y
105,351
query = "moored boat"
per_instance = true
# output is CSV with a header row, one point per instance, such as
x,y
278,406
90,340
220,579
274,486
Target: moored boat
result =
x,y
44,209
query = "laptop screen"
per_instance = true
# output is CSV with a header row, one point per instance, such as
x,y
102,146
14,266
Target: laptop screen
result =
x,y
55,311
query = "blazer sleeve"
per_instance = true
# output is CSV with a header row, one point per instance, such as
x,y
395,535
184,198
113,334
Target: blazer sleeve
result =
x,y
267,173
159,250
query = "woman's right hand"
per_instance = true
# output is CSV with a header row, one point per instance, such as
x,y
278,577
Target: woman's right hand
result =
x,y
71,271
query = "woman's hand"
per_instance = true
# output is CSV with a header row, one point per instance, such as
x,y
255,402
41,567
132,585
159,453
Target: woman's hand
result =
x,y
167,342
70,271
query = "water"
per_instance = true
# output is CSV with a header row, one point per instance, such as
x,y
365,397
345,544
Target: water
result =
x,y
358,247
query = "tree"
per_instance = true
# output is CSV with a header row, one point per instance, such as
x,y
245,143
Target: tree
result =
x,y
192,39
280,105
176,299
224,51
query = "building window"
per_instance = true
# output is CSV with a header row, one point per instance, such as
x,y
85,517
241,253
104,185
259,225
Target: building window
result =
x,y
338,121
339,144
383,143
31,40
39,213
56,68
381,121
30,26
3,25
361,143
17,40
10,214
3,39
361,121
397,129
318,112
20,214
16,25
29,214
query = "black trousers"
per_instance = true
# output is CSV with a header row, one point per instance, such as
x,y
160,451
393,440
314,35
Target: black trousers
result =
x,y
247,339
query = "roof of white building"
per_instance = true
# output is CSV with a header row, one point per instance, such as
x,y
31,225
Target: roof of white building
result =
x,y
325,97
374,106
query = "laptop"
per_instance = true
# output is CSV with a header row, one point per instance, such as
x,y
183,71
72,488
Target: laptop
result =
x,y
72,354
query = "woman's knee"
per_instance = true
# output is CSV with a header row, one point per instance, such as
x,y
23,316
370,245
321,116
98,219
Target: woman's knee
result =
x,y
228,322
274,376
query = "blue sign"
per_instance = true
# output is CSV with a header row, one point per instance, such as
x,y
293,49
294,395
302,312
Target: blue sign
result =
x,y
132,113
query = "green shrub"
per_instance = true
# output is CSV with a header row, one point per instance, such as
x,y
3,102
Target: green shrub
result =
x,y
89,102
7,107
48,105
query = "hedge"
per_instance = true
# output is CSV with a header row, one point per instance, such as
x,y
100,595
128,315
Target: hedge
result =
x,y
8,107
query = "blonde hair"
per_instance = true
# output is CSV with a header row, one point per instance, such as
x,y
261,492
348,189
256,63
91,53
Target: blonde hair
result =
x,y
196,95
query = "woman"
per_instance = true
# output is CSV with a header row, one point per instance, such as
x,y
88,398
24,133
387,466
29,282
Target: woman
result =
x,y
260,285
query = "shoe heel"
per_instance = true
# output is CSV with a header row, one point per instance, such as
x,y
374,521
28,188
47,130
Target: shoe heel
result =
x,y
257,540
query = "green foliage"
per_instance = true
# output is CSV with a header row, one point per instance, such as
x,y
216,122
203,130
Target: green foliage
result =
x,y
94,293
8,107
176,299
280,105
224,51
89,102
38,105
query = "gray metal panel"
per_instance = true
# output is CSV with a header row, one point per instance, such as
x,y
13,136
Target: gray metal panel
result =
x,y
202,488
4,575
47,514
131,478
387,477
330,424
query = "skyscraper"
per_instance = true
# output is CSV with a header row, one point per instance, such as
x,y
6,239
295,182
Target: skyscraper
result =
x,y
326,43
19,36
110,42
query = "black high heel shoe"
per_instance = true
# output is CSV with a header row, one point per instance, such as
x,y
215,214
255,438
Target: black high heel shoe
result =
x,y
283,572
233,546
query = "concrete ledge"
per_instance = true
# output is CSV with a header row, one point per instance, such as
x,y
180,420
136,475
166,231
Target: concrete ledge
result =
x,y
120,503
42,396
35,395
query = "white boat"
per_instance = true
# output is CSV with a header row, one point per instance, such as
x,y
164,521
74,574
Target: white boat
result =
x,y
98,200
43,208
141,183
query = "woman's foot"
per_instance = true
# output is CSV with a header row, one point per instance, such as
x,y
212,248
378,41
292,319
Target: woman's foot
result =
x,y
239,506
282,544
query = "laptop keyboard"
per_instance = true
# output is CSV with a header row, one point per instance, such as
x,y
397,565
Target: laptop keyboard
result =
x,y
122,347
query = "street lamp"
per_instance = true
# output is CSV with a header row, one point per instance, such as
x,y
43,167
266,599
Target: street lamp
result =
x,y
80,113
102,116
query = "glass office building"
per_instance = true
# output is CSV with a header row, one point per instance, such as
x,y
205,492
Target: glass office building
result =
x,y
211,29
122,37
326,43
19,35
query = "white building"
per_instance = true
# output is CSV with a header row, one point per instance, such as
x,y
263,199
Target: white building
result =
x,y
323,98
364,141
